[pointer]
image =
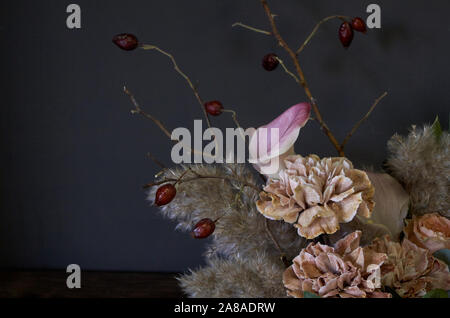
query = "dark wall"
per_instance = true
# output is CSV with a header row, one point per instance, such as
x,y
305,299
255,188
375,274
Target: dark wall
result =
x,y
73,158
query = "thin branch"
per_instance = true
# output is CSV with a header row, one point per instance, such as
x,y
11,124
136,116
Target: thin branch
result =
x,y
156,161
286,70
277,245
233,116
175,65
317,28
301,76
198,176
251,28
181,177
138,110
356,126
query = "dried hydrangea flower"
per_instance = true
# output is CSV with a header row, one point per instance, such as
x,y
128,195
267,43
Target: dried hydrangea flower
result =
x,y
317,194
345,270
412,271
430,231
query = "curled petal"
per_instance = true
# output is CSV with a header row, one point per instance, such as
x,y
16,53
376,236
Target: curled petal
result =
x,y
412,271
392,203
345,270
315,221
277,138
349,243
271,207
430,231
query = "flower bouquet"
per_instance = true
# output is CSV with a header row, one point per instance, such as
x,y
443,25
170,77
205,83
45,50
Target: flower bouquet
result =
x,y
297,225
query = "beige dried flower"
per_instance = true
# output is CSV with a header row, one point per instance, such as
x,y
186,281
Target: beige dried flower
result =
x,y
430,231
345,271
392,203
412,271
317,194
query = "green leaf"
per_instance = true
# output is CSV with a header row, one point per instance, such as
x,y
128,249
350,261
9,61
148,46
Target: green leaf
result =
x,y
443,255
436,293
309,295
437,129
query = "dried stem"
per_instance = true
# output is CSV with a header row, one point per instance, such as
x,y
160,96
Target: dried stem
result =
x,y
286,70
233,115
138,110
277,245
199,176
245,26
375,103
301,76
156,161
180,177
317,28
175,65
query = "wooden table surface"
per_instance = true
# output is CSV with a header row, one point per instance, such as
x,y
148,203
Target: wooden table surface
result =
x,y
52,284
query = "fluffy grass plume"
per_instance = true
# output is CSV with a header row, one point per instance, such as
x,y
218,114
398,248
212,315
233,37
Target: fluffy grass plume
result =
x,y
242,259
421,162
241,245
256,277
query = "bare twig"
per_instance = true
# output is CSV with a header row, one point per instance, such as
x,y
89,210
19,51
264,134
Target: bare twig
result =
x,y
277,245
156,161
251,28
198,176
175,65
286,70
356,126
317,28
138,110
302,80
181,177
233,116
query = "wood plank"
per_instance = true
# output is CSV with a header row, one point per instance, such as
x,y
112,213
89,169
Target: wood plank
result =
x,y
52,284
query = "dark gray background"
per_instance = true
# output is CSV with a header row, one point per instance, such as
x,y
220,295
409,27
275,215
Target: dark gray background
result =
x,y
73,158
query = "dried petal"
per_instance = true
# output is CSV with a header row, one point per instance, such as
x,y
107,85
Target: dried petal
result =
x,y
392,203
317,194
412,271
430,231
263,150
347,270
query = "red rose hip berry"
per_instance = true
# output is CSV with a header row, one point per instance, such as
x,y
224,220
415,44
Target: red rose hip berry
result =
x,y
126,41
214,107
270,62
359,25
165,194
345,34
203,228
